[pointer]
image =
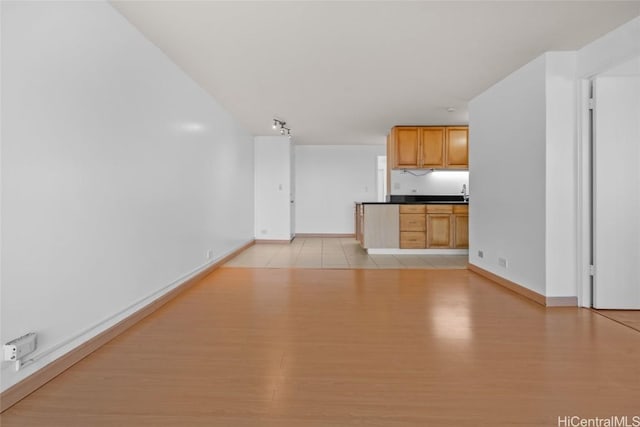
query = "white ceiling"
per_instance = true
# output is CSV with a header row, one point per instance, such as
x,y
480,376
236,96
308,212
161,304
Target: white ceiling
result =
x,y
345,72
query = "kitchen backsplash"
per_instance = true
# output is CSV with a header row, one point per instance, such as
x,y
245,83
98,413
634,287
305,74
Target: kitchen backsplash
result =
x,y
436,182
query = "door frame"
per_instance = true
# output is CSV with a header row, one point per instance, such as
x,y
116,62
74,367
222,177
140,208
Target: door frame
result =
x,y
584,221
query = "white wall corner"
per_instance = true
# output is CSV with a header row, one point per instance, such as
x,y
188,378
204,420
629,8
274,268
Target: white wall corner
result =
x,y
561,174
507,161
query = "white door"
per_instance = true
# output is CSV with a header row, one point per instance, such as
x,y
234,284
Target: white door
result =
x,y
616,192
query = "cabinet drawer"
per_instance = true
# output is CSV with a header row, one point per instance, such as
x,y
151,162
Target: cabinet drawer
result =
x,y
440,209
412,240
412,209
461,209
413,222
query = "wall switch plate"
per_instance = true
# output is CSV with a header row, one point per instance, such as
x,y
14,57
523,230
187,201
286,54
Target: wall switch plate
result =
x,y
16,349
502,262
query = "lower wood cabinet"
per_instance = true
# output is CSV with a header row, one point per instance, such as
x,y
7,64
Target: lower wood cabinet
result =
x,y
461,227
434,226
439,231
439,226
412,240
412,226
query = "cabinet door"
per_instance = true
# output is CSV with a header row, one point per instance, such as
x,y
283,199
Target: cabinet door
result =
x,y
406,152
433,143
461,231
439,231
457,148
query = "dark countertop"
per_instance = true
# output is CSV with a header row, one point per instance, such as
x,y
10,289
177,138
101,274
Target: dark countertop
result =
x,y
412,203
414,199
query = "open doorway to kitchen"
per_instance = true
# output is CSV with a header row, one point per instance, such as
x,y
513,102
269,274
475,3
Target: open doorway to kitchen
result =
x,y
381,181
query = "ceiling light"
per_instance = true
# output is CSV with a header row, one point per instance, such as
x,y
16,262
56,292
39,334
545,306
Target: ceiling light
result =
x,y
451,109
281,124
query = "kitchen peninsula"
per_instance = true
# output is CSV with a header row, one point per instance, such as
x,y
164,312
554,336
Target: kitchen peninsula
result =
x,y
414,225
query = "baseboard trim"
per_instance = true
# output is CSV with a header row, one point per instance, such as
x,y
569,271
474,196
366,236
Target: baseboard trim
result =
x,y
512,286
562,301
22,389
396,251
327,235
278,241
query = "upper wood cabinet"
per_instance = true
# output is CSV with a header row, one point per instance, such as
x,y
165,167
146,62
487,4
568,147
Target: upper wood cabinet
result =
x,y
433,147
437,147
457,148
407,147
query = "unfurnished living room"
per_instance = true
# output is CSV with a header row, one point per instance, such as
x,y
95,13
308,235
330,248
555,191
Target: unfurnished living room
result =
x,y
320,213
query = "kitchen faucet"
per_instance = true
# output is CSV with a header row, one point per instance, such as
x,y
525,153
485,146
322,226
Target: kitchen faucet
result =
x,y
465,195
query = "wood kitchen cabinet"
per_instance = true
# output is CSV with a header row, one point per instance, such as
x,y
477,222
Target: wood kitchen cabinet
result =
x,y
457,148
407,147
432,147
461,227
412,227
437,147
439,226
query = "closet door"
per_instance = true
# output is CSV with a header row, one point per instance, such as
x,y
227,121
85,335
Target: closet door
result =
x,y
616,192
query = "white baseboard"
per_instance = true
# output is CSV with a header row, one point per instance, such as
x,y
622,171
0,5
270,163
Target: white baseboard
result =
x,y
389,251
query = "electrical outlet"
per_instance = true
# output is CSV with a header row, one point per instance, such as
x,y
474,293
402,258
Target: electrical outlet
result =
x,y
396,185
480,254
264,231
502,262
16,349
209,254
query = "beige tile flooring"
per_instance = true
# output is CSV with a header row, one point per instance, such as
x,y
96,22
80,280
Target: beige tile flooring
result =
x,y
336,252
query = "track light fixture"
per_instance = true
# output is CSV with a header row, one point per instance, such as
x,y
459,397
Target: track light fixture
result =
x,y
282,125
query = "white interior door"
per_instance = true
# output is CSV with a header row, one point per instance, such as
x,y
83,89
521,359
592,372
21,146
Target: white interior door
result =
x,y
616,191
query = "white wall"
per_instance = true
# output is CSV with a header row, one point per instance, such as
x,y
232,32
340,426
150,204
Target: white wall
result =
x,y
614,48
561,174
119,173
329,179
273,188
431,183
507,176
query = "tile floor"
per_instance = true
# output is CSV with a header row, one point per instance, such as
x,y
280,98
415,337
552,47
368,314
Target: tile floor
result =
x,y
315,252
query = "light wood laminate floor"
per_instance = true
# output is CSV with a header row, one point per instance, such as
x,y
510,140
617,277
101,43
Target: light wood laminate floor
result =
x,y
336,252
312,347
631,318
